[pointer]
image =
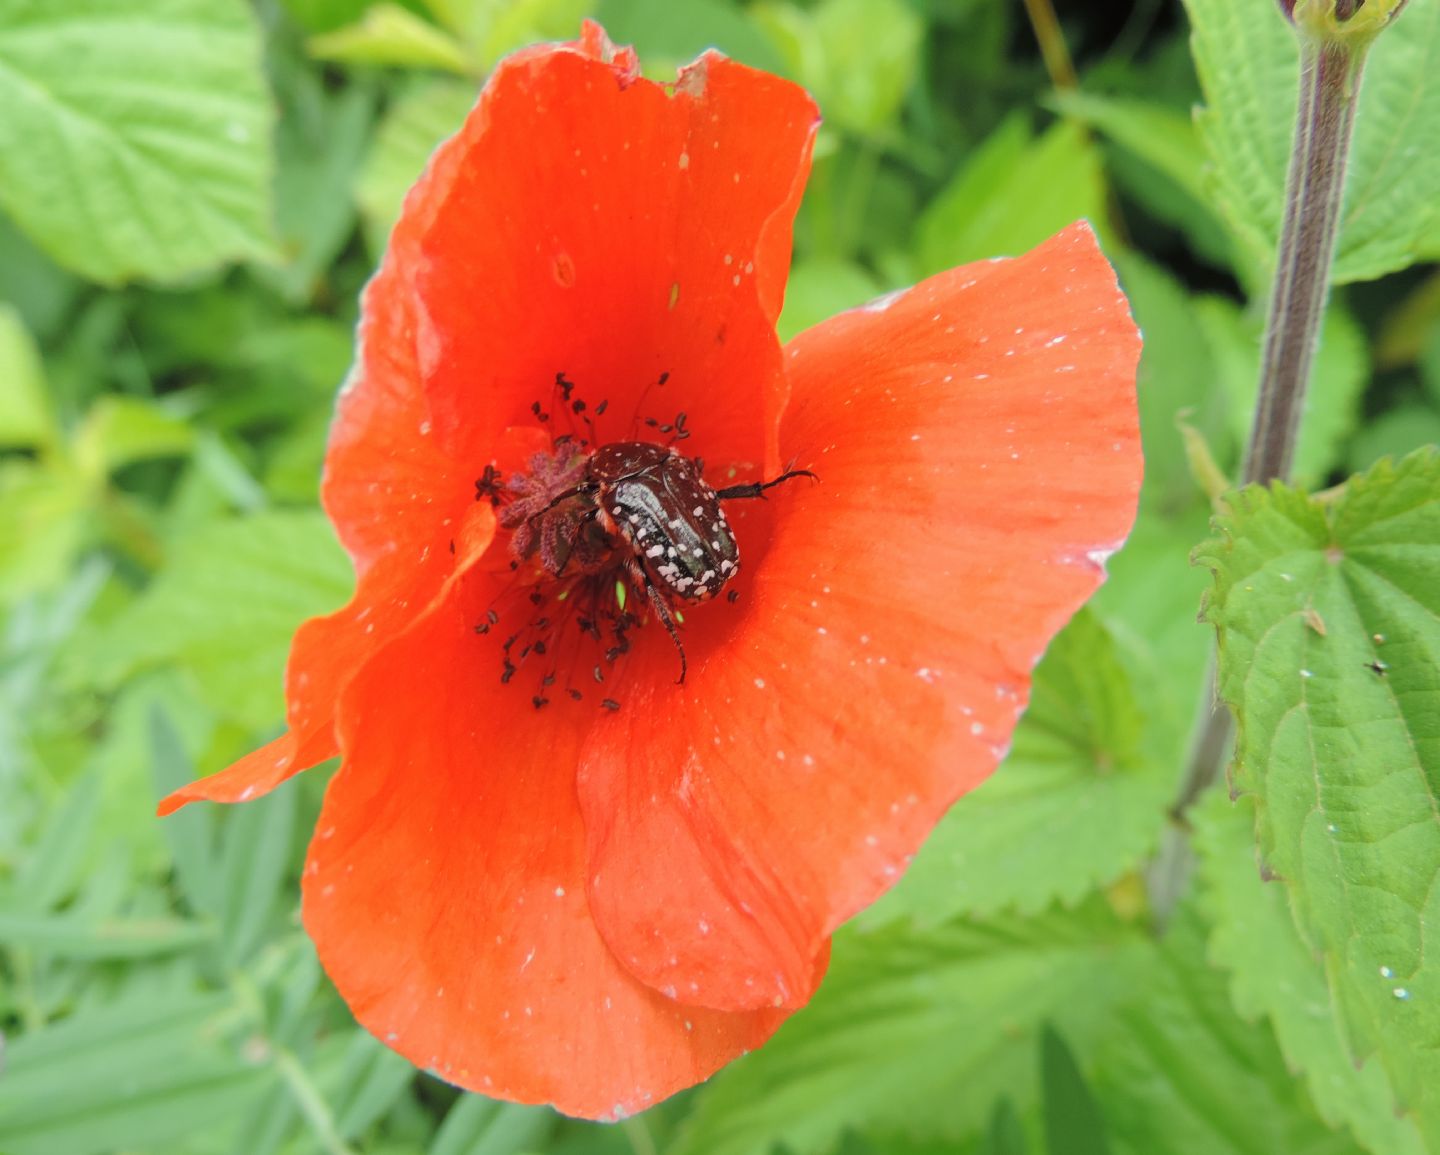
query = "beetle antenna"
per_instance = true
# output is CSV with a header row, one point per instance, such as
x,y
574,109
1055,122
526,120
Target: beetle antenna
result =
x,y
758,488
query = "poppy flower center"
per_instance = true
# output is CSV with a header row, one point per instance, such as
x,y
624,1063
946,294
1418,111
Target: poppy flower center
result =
x,y
589,524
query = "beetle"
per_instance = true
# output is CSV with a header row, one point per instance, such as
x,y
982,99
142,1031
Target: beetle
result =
x,y
679,543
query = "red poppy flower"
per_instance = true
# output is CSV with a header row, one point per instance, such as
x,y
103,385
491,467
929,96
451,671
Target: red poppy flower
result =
x,y
545,869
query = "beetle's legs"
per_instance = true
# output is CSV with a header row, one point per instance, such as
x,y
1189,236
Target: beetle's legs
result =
x,y
662,611
583,487
758,488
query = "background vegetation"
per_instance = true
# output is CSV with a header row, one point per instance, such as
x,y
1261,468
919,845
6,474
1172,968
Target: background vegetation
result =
x,y
192,193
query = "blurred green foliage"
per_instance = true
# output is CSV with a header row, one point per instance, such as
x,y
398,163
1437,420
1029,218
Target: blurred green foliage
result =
x,y
185,223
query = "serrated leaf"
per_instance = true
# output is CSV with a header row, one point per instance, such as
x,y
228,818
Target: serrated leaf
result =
x,y
136,134
1013,193
1079,800
1273,973
1328,615
1248,61
1181,1074
408,134
910,1027
226,605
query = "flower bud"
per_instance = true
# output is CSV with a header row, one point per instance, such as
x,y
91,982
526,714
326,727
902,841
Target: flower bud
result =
x,y
1352,23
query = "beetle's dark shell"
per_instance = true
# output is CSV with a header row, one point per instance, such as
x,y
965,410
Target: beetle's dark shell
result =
x,y
656,500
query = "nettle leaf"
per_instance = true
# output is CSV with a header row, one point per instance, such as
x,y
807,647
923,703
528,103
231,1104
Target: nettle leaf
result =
x,y
921,1032
1181,1074
1273,973
1248,60
1080,799
225,607
136,135
1328,614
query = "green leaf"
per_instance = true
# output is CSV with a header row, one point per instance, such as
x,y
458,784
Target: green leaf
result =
x,y
127,1077
1079,800
1073,1123
226,605
1181,1074
1178,369
118,431
1013,193
409,133
26,417
479,1126
1149,603
320,142
910,1027
1163,137
189,832
371,1080
1273,973
253,865
818,289
1006,1135
51,871
43,523
1248,62
491,28
859,57
76,936
391,35
35,286
1330,657
136,134
667,35
1332,402
1396,432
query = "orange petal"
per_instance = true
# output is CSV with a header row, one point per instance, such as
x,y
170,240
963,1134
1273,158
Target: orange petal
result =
x,y
978,453
445,890
324,656
590,222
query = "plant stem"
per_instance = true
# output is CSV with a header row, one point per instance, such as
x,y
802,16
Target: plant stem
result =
x,y
1329,82
1052,44
1325,118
